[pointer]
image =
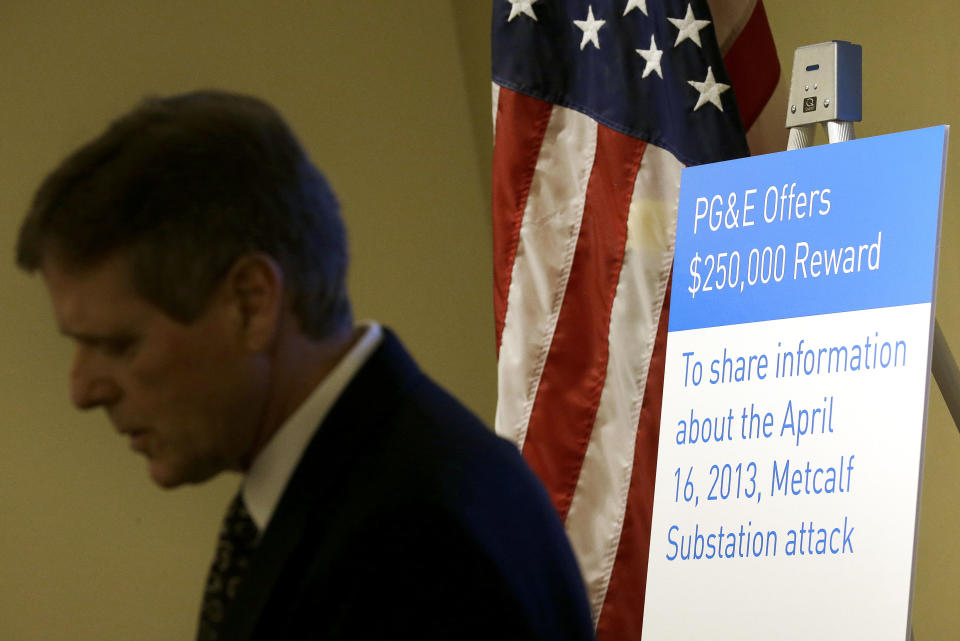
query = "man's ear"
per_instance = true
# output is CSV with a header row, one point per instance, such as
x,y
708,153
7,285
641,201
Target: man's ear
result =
x,y
255,290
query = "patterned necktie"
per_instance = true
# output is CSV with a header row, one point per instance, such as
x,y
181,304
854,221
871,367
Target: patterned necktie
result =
x,y
238,540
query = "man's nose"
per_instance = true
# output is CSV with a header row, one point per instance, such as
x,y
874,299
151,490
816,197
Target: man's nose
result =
x,y
91,383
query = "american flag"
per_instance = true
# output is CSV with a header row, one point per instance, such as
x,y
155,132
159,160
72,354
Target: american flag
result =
x,y
598,106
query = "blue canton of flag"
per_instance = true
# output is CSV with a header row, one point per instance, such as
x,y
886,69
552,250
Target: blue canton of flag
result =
x,y
649,69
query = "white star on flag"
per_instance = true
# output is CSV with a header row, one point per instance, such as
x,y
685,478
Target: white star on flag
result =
x,y
521,6
689,27
710,90
590,28
652,56
636,4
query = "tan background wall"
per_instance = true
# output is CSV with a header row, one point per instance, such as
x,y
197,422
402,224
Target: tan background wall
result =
x,y
392,100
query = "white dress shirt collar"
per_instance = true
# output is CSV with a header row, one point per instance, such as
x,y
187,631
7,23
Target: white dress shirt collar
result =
x,y
271,469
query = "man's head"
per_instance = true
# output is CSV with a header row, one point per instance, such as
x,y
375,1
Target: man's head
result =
x,y
185,185
176,247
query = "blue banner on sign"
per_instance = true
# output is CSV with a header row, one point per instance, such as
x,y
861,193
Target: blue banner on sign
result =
x,y
821,230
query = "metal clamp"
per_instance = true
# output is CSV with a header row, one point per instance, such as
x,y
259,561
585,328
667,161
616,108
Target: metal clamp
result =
x,y
825,88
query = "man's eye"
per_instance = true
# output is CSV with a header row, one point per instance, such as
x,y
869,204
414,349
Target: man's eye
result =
x,y
117,346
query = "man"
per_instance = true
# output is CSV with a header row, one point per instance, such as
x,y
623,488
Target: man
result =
x,y
197,259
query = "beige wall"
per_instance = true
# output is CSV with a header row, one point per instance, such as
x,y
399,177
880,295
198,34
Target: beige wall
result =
x,y
392,100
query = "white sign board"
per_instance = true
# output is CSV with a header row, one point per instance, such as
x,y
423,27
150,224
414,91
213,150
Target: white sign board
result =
x,y
795,394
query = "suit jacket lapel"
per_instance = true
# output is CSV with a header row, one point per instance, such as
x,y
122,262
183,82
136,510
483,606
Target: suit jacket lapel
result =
x,y
352,422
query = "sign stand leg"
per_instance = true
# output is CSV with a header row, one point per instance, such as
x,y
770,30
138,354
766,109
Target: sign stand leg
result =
x,y
946,374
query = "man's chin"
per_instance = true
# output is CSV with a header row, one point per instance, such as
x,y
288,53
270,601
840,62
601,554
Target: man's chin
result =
x,y
168,476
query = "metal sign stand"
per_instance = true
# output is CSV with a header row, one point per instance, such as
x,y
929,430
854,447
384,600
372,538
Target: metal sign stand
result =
x,y
826,89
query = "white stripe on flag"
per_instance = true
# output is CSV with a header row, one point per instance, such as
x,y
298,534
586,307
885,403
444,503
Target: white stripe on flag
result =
x,y
495,94
596,513
548,238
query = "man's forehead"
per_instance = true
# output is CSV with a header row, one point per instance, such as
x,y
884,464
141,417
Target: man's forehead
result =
x,y
92,298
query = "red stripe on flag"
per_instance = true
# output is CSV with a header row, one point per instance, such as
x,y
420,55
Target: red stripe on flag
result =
x,y
573,375
621,618
753,66
521,123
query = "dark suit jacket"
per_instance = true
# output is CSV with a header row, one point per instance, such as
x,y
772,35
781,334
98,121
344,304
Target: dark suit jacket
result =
x,y
408,518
